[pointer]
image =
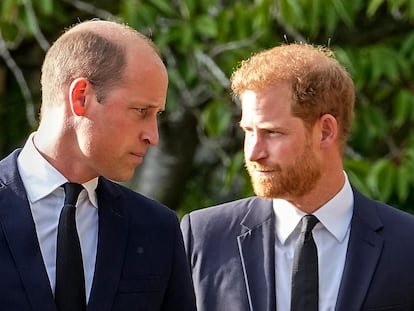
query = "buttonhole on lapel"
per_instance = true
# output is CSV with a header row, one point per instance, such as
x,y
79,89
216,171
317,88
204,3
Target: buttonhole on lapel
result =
x,y
140,250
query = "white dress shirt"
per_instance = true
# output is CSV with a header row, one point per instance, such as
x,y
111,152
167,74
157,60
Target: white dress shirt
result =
x,y
331,236
45,195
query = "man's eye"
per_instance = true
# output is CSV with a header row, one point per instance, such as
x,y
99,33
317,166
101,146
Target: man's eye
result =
x,y
142,110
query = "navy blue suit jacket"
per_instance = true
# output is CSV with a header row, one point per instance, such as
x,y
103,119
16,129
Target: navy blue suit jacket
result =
x,y
140,263
231,249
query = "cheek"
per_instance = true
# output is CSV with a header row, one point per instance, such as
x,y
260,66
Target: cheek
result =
x,y
114,130
279,147
97,139
284,152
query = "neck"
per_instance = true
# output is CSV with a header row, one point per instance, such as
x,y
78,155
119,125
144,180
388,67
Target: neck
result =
x,y
327,187
59,147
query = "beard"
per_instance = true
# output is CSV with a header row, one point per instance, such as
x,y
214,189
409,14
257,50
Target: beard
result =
x,y
293,180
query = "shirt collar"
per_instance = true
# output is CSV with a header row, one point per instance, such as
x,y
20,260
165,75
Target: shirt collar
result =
x,y
40,178
335,215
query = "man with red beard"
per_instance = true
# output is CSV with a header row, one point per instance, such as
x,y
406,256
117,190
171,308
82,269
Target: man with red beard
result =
x,y
297,107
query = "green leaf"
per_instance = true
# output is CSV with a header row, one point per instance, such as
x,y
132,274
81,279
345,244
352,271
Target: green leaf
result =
x,y
342,9
183,37
381,179
206,25
344,58
234,167
314,16
403,105
410,10
45,6
216,118
392,64
359,183
374,120
224,23
408,44
8,10
186,8
164,7
404,180
377,62
373,6
9,31
292,12
331,18
357,170
241,24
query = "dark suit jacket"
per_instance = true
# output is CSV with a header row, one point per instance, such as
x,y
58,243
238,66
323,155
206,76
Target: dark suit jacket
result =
x,y
231,252
140,263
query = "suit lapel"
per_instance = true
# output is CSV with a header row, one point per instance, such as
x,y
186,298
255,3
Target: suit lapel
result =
x,y
20,232
112,238
364,250
256,247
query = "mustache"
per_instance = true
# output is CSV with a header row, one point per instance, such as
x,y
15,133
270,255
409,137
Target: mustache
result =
x,y
261,167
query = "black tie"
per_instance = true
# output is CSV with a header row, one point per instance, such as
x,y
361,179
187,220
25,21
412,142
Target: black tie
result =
x,y
70,279
305,269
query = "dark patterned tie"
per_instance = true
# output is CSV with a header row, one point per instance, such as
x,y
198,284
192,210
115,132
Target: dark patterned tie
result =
x,y
305,280
70,279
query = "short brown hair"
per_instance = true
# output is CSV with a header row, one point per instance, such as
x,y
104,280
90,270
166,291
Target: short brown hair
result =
x,y
320,85
81,54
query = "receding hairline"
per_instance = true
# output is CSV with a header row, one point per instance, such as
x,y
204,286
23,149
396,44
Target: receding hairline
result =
x,y
119,33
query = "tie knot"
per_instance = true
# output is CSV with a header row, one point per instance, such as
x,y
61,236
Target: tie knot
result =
x,y
72,191
308,223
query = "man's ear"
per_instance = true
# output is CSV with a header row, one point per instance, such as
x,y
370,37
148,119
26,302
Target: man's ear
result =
x,y
329,130
78,92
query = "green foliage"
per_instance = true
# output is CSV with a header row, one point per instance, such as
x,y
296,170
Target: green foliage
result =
x,y
216,117
318,15
202,41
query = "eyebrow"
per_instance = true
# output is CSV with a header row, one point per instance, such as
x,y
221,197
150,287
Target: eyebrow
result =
x,y
150,106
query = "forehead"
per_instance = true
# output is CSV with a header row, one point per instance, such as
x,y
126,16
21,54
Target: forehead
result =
x,y
142,56
146,79
271,101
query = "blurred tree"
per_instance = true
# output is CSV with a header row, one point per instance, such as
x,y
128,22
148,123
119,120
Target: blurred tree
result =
x,y
199,161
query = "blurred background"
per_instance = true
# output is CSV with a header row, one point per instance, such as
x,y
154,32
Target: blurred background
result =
x,y
199,160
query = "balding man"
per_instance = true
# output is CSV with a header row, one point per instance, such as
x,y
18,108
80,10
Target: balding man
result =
x,y
103,86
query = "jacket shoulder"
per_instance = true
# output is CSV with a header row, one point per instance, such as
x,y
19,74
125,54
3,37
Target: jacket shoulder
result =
x,y
226,216
8,167
232,208
381,215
